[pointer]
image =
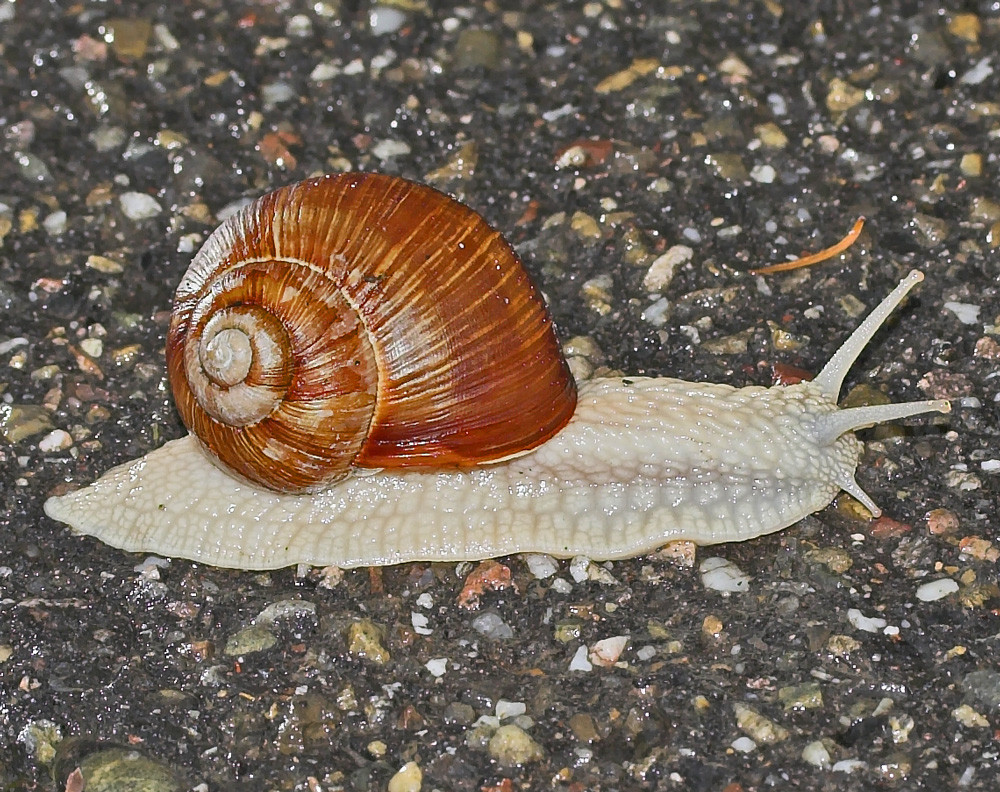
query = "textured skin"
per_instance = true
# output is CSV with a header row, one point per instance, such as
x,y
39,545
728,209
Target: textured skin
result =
x,y
641,463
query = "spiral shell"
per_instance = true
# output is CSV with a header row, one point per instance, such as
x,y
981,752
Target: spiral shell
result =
x,y
362,319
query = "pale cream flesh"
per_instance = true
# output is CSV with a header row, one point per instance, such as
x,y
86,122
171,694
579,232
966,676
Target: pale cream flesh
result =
x,y
642,462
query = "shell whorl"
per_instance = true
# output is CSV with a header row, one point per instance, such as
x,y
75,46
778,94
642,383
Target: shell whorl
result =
x,y
362,319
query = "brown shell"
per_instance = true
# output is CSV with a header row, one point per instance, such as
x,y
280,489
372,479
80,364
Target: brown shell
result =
x,y
358,299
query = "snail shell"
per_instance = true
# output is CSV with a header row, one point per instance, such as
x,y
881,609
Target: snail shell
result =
x,y
365,320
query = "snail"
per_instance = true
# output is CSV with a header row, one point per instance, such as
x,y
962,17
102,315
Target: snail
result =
x,y
450,428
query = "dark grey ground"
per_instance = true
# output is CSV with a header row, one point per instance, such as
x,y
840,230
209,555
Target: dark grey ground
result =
x,y
884,108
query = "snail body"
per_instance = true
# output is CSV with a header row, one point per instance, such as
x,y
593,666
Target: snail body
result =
x,y
618,468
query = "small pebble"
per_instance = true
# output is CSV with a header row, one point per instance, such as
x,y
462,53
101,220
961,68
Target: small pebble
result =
x,y
409,779
491,626
580,661
647,652
541,565
762,730
55,223
808,695
92,346
19,421
437,666
387,149
250,640
287,610
384,19
657,313
582,568
104,264
139,206
419,621
815,753
967,716
984,687
605,653
40,739
56,440
661,271
364,639
967,313
843,96
936,589
511,745
510,709
720,574
849,766
763,174
858,620
744,745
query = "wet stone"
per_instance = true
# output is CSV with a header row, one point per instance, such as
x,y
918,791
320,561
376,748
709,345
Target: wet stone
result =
x,y
760,729
364,639
808,695
491,626
122,770
511,745
299,615
459,713
20,421
250,640
983,687
409,779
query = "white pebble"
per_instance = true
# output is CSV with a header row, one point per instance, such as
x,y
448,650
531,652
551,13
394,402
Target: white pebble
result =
x,y
510,709
849,766
56,440
189,243
978,73
324,72
387,149
384,19
580,661
578,568
275,93
582,568
139,206
936,589
425,600
763,174
967,313
437,666
605,653
92,346
561,586
492,626
743,745
55,223
647,652
719,574
859,621
662,270
541,565
658,313
420,622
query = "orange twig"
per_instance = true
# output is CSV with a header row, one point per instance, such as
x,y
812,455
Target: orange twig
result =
x,y
815,258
